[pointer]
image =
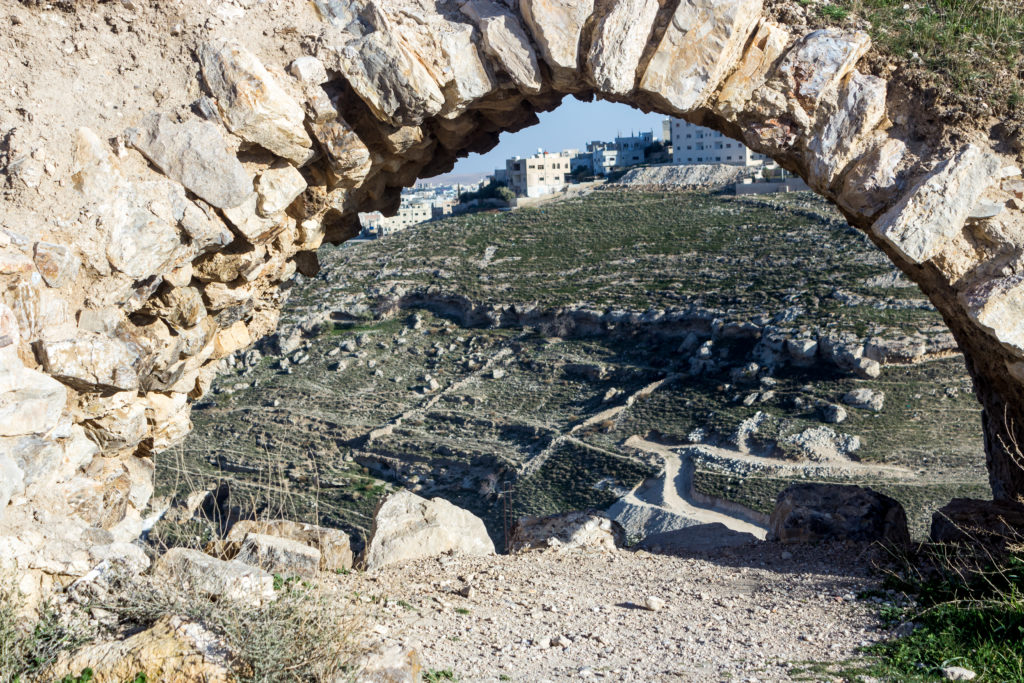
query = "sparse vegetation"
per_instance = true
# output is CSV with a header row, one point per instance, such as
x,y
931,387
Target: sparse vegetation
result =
x,y
31,640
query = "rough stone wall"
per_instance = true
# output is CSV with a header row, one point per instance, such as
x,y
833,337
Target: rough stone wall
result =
x,y
157,246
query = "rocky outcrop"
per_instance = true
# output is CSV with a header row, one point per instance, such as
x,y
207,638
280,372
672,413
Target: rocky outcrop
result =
x,y
995,524
151,244
807,513
568,531
408,527
332,545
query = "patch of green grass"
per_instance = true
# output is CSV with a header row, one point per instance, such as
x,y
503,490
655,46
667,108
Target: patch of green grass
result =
x,y
969,612
973,46
833,12
462,610
438,675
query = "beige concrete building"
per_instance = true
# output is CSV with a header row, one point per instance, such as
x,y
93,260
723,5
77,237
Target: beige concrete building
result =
x,y
409,214
539,175
692,144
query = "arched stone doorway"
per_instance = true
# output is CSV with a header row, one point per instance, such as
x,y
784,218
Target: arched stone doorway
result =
x,y
114,323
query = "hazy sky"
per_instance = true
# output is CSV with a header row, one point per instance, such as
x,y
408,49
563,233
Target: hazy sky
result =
x,y
571,126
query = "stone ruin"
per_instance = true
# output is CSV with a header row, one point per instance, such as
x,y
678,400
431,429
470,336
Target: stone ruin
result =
x,y
177,228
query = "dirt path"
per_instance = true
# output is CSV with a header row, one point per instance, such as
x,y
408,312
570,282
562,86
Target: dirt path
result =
x,y
752,613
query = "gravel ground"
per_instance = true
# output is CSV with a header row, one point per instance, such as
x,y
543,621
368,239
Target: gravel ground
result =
x,y
745,614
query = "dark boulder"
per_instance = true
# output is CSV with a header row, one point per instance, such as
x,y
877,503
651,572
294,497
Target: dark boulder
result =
x,y
815,512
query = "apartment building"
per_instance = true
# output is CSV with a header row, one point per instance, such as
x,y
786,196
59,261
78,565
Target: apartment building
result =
x,y
539,175
412,213
692,144
632,149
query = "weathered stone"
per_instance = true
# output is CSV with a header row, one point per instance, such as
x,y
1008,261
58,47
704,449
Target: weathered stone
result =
x,y
568,530
470,79
90,362
254,227
348,157
12,481
180,306
505,41
557,27
753,69
921,224
996,306
219,579
279,555
251,103
870,185
619,41
38,459
823,444
394,664
230,340
818,62
278,188
992,523
205,229
309,70
860,109
408,527
699,48
395,85
56,263
219,295
333,544
227,267
169,415
173,650
96,171
139,244
865,399
195,154
30,402
806,513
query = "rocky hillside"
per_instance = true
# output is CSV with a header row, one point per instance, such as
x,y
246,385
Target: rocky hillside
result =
x,y
511,361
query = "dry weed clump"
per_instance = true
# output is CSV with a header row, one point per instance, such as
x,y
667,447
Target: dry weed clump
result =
x,y
311,631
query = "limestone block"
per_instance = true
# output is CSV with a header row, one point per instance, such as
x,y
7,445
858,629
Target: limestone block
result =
x,y
568,530
180,276
252,104
557,26
169,415
818,62
997,305
278,188
470,79
119,429
920,226
205,228
752,70
230,340
806,513
173,650
90,362
56,263
180,306
871,183
309,70
37,458
699,48
408,527
333,544
393,83
228,580
619,41
279,555
254,227
227,267
30,402
505,40
860,109
348,157
139,244
195,154
220,295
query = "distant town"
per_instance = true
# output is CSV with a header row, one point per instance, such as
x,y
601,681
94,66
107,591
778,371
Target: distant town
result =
x,y
525,181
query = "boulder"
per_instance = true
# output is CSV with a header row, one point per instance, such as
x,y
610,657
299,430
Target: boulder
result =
x,y
252,104
824,444
865,399
574,529
557,26
195,154
30,402
408,527
173,650
389,665
56,263
992,523
278,188
217,579
807,513
333,544
279,555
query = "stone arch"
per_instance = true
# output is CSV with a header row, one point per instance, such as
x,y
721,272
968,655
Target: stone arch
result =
x,y
109,330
